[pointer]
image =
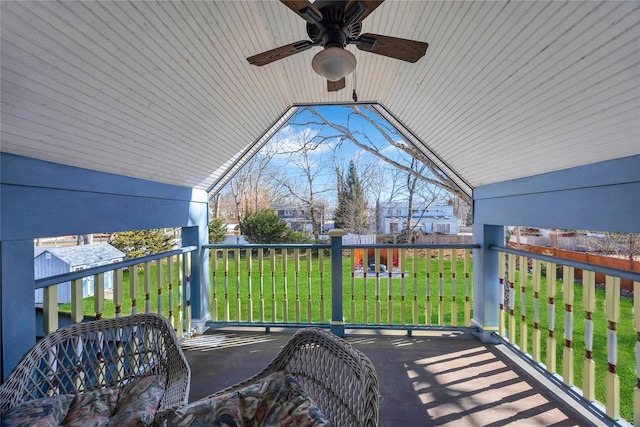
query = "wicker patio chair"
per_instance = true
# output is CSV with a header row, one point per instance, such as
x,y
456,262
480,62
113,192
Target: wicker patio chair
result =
x,y
340,379
100,354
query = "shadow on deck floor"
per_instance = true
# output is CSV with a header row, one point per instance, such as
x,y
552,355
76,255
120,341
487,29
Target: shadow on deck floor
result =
x,y
430,379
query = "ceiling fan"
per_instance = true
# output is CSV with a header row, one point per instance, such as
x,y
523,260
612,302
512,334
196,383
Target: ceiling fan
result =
x,y
334,24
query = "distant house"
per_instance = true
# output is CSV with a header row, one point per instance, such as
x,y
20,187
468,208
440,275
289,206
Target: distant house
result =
x,y
431,219
51,261
298,216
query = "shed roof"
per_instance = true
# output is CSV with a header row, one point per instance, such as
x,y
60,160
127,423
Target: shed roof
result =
x,y
83,254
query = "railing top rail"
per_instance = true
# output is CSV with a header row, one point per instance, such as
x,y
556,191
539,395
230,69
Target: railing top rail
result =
x,y
626,274
61,278
349,246
411,246
270,245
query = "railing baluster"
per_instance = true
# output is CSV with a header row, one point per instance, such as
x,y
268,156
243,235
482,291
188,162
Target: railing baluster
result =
x,y
352,254
441,287
249,285
524,330
50,308
147,287
454,304
261,270
213,254
179,322
272,253
612,304
427,306
172,319
567,351
589,304
296,266
321,272
536,311
98,297
225,269
509,296
159,284
187,292
309,300
551,317
133,287
236,259
511,276
415,307
501,284
118,292
467,302
285,301
365,270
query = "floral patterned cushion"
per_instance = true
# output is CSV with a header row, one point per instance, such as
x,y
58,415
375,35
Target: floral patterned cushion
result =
x,y
138,402
48,411
92,408
135,404
276,400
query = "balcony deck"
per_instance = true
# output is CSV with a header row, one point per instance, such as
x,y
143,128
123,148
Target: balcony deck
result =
x,y
429,379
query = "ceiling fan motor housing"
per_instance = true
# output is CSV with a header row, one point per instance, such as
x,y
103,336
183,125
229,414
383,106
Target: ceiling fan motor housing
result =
x,y
332,31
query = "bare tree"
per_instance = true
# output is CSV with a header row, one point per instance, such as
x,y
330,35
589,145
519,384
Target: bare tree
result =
x,y
302,183
251,189
364,140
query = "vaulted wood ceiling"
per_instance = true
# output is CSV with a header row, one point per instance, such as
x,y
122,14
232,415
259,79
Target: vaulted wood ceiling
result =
x,y
163,91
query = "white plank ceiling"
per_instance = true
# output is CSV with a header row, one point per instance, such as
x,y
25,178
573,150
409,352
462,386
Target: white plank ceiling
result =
x,y
162,90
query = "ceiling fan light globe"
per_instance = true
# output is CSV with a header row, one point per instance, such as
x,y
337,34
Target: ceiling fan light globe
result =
x,y
333,63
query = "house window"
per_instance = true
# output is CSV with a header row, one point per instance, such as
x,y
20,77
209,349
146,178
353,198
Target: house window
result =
x,y
393,227
444,228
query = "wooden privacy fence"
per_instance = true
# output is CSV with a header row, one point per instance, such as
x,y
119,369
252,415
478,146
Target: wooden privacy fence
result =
x,y
588,258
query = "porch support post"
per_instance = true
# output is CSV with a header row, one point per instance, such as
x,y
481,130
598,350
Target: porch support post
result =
x,y
486,289
17,300
199,278
337,318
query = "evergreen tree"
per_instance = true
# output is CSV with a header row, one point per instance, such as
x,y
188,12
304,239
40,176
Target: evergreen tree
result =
x,y
136,244
351,211
216,230
265,226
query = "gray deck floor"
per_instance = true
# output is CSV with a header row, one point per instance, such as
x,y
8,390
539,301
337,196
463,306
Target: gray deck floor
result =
x,y
431,379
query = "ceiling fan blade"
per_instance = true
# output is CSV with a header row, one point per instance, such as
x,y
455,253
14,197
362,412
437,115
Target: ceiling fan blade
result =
x,y
336,86
305,9
393,47
371,5
272,55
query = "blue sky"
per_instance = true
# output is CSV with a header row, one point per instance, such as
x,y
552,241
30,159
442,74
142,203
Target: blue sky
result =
x,y
333,151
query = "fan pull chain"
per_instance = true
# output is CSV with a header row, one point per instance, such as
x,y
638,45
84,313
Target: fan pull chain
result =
x,y
354,95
